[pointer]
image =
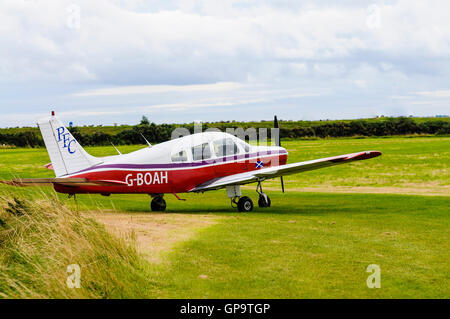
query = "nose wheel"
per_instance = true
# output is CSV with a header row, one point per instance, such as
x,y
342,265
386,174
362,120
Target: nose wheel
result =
x,y
158,204
264,200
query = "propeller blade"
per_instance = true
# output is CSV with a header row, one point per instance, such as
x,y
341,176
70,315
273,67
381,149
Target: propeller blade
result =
x,y
276,125
278,143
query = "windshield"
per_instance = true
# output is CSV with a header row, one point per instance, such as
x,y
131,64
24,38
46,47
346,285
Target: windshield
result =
x,y
225,147
201,152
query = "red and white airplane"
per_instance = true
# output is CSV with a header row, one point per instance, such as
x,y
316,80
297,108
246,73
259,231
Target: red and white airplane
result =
x,y
195,163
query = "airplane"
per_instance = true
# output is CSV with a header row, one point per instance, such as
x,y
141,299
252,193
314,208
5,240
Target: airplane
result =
x,y
190,164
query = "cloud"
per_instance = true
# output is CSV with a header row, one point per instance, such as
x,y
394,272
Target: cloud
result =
x,y
436,94
97,55
213,42
221,102
243,100
154,89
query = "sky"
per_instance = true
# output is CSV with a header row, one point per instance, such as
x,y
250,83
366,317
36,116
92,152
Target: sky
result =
x,y
179,61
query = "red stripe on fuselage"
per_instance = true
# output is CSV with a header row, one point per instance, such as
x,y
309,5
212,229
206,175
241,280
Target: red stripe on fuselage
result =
x,y
162,181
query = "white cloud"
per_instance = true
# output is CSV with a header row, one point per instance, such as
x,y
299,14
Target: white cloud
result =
x,y
112,36
174,51
436,94
155,89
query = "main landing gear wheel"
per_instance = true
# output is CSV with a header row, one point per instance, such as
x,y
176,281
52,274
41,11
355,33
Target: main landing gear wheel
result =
x,y
158,204
245,204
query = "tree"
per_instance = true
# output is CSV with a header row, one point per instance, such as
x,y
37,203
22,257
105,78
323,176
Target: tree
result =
x,y
144,120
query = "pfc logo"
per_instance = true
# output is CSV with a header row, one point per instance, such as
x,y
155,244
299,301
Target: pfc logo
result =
x,y
67,139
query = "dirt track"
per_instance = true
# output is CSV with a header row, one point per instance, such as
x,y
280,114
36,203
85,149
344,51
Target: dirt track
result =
x,y
413,190
155,234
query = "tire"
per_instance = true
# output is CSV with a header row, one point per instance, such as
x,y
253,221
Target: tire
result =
x,y
245,204
158,204
262,201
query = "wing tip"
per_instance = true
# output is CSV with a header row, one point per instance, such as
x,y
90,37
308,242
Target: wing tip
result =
x,y
365,155
357,156
372,154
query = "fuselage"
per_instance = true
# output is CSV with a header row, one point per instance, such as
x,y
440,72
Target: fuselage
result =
x,y
177,166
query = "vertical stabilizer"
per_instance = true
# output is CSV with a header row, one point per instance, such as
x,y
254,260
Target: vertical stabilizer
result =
x,y
66,154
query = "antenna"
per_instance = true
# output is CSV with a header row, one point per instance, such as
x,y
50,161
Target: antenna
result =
x,y
115,148
148,143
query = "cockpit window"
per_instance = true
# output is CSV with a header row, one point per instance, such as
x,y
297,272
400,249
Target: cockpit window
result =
x,y
245,146
201,152
225,147
179,157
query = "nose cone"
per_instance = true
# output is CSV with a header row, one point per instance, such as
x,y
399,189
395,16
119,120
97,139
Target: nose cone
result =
x,y
280,150
282,155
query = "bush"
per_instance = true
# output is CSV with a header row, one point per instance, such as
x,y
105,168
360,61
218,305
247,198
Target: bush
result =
x,y
155,133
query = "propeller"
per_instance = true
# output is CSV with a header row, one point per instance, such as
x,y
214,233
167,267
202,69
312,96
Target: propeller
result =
x,y
278,143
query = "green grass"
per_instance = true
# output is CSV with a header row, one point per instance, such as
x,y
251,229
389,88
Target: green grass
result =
x,y
406,162
418,163
317,246
308,245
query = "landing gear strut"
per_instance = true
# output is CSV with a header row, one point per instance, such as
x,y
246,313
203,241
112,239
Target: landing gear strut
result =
x,y
158,204
264,200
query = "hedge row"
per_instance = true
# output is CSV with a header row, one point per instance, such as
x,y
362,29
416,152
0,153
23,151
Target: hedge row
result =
x,y
159,133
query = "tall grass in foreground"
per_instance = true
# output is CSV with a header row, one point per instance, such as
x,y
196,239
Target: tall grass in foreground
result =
x,y
40,238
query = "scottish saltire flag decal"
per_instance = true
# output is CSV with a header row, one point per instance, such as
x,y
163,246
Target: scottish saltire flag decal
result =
x,y
259,164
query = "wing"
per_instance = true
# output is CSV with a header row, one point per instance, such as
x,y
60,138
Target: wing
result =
x,y
62,181
282,170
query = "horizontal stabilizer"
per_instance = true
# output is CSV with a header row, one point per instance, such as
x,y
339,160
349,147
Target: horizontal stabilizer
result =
x,y
49,166
62,181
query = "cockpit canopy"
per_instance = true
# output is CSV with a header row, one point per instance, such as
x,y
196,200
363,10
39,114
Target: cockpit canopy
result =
x,y
191,148
199,147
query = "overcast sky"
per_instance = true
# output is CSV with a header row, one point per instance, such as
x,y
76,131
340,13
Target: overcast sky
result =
x,y
105,62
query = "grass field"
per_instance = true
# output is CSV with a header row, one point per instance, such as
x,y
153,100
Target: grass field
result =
x,y
311,244
417,165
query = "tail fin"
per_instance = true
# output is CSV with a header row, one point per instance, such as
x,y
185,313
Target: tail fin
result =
x,y
66,154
